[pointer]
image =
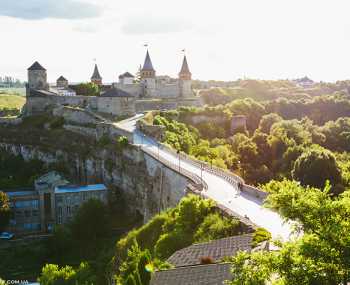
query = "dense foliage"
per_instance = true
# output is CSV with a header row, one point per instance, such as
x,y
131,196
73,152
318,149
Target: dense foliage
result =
x,y
5,211
319,256
192,220
87,89
16,172
286,143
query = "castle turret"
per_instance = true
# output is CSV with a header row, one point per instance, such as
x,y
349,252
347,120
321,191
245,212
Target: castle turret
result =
x,y
148,77
185,80
37,77
96,77
62,82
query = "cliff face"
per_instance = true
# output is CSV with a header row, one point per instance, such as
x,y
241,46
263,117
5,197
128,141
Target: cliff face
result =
x,y
147,185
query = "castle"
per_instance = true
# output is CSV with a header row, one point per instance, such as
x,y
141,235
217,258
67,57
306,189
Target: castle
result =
x,y
123,98
151,86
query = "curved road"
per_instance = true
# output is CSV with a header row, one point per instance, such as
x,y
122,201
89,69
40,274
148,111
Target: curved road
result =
x,y
218,188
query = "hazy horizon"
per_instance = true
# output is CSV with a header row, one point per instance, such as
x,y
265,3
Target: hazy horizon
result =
x,y
224,40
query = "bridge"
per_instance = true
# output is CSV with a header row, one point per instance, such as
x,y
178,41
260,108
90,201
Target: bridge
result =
x,y
217,184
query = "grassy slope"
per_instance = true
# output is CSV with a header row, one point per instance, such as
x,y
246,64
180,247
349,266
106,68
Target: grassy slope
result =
x,y
11,101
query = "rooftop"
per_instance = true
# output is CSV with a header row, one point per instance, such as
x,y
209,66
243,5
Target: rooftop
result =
x,y
126,75
20,193
210,274
36,66
184,67
61,78
76,188
96,75
40,93
217,250
148,63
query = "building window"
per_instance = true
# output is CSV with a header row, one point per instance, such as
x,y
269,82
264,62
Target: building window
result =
x,y
60,199
68,210
35,213
59,219
19,214
27,213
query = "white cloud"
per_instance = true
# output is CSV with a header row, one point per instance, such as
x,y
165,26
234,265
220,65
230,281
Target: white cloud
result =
x,y
43,9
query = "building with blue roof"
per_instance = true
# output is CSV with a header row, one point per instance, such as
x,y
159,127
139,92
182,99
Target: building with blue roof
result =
x,y
53,200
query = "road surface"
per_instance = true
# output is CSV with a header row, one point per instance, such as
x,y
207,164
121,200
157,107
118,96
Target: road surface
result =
x,y
219,189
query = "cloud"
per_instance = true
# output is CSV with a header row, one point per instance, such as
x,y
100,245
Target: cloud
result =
x,y
149,24
43,9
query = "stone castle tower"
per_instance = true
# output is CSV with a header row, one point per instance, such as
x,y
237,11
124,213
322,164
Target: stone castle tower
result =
x,y
37,78
185,80
148,77
96,77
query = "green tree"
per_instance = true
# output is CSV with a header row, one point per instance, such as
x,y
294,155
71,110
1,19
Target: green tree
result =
x,y
319,256
52,274
315,166
88,89
5,211
91,222
267,121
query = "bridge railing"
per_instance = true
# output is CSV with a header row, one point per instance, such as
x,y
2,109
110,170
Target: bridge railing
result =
x,y
197,182
231,178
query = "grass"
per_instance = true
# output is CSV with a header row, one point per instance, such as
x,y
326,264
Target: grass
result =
x,y
11,101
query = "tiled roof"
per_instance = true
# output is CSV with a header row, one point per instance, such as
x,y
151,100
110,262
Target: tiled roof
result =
x,y
36,66
210,274
115,92
217,250
126,74
148,63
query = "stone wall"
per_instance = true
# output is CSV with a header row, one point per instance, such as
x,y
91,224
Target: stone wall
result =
x,y
75,115
168,91
118,106
170,104
198,119
238,123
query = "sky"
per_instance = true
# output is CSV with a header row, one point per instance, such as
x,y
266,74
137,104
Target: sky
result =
x,y
223,39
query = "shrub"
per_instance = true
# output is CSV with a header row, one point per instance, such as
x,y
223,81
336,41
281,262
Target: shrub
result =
x,y
214,227
260,235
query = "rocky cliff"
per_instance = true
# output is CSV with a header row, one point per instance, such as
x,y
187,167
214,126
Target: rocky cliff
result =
x,y
148,185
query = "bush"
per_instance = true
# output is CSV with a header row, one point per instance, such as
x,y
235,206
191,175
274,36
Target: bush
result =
x,y
215,227
172,241
260,235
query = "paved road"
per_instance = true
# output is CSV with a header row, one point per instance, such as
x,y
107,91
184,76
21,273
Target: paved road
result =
x,y
218,188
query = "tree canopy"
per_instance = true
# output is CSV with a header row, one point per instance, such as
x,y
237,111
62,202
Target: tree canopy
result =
x,y
319,256
5,212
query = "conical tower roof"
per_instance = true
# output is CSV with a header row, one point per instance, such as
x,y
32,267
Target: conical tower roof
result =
x,y
184,67
148,63
96,74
